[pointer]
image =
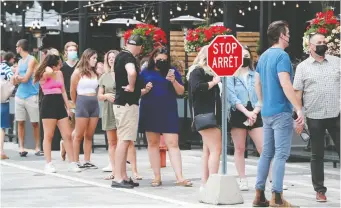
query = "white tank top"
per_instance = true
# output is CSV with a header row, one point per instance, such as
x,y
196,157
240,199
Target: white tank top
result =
x,y
87,86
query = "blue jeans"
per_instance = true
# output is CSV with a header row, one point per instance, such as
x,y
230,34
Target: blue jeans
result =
x,y
278,131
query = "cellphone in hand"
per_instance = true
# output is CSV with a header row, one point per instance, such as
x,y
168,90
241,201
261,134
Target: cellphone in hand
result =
x,y
171,71
294,115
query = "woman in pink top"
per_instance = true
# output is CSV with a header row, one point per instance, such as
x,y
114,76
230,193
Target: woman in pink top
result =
x,y
54,109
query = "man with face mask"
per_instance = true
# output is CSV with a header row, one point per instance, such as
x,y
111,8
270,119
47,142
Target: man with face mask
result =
x,y
317,80
273,83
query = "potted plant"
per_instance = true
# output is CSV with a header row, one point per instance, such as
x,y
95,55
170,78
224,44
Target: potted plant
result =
x,y
326,24
152,36
203,35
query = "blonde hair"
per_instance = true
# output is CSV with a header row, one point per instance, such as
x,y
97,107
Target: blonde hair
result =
x,y
68,44
107,67
201,61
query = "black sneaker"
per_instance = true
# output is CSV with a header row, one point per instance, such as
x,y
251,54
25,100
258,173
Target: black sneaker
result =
x,y
121,184
89,165
131,182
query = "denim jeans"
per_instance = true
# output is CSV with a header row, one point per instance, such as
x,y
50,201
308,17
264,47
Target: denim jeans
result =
x,y
278,131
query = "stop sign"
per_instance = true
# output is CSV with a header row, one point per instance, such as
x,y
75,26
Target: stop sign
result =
x,y
225,55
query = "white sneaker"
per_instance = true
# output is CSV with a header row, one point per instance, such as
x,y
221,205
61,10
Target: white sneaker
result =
x,y
73,167
49,168
243,184
285,187
107,169
201,193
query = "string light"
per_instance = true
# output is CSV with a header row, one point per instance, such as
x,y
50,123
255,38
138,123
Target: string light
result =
x,y
274,3
102,5
91,24
240,11
171,12
95,10
65,0
134,17
128,23
92,7
52,3
283,2
10,29
1,24
137,11
142,15
243,14
201,3
297,5
5,25
5,3
120,7
99,9
249,8
215,14
17,6
89,4
156,21
204,15
27,7
103,16
198,14
99,24
178,8
256,7
221,12
211,3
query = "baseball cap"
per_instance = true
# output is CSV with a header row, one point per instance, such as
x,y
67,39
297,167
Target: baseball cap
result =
x,y
135,40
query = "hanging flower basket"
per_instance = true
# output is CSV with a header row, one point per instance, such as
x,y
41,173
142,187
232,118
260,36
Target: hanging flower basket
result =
x,y
201,36
152,36
326,24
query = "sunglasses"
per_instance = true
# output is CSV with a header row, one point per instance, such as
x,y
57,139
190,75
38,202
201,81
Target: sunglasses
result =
x,y
163,50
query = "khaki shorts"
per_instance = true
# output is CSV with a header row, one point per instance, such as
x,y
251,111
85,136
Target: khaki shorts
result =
x,y
127,118
29,105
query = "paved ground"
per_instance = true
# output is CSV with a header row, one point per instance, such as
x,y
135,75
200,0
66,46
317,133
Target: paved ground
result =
x,y
23,183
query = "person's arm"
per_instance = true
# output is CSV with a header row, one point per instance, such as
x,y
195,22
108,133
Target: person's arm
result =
x,y
131,71
197,83
31,67
65,98
73,85
49,73
177,83
258,88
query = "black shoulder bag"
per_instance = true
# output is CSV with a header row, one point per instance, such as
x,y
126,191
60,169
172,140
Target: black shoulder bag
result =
x,y
207,120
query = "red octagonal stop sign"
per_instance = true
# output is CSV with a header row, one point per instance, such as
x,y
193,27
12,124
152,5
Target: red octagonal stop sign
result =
x,y
225,55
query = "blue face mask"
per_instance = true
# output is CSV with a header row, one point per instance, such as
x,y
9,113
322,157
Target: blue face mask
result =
x,y
72,55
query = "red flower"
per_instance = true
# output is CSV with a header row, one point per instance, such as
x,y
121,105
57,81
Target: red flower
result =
x,y
322,30
316,21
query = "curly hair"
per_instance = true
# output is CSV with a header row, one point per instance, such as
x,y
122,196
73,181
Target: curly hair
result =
x,y
84,66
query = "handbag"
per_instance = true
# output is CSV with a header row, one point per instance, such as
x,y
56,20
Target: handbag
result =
x,y
204,121
6,90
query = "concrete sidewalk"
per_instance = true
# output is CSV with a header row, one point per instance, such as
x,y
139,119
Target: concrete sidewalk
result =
x,y
24,184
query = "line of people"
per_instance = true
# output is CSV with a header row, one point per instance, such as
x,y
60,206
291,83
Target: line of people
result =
x,y
261,103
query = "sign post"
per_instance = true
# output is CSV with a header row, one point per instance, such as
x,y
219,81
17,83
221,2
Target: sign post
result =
x,y
225,57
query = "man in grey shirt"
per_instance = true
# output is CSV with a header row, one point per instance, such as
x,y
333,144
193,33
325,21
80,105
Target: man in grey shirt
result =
x,y
317,80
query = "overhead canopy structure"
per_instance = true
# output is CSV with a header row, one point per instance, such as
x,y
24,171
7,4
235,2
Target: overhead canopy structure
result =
x,y
52,20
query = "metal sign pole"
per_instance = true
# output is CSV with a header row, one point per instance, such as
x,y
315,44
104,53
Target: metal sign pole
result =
x,y
224,126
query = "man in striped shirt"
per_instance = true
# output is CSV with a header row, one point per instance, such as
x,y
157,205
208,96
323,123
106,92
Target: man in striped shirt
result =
x,y
7,59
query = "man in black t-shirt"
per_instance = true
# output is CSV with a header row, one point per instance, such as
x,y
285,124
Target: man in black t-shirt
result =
x,y
126,109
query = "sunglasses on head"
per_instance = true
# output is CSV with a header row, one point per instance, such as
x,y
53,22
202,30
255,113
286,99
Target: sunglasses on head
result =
x,y
163,50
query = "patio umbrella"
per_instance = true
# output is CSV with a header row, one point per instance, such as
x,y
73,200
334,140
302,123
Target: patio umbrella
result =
x,y
186,19
222,24
122,21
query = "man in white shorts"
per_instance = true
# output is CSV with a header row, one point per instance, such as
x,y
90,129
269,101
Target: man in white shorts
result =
x,y
26,97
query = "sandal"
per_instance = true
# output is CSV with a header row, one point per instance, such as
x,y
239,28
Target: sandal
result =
x,y
184,183
109,177
39,153
137,177
4,157
156,183
23,154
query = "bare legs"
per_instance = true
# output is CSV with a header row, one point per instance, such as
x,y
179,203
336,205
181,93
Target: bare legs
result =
x,y
21,135
120,160
112,141
212,141
2,136
132,159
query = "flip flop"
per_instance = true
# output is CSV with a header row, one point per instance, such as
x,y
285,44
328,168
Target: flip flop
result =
x,y
156,183
137,177
23,154
39,153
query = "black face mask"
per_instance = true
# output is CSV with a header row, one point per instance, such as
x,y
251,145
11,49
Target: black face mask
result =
x,y
163,66
321,50
246,62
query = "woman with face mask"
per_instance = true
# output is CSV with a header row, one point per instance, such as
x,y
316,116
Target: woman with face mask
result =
x,y
159,113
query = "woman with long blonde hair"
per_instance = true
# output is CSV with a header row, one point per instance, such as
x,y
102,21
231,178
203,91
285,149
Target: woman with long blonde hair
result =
x,y
204,97
54,109
84,83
